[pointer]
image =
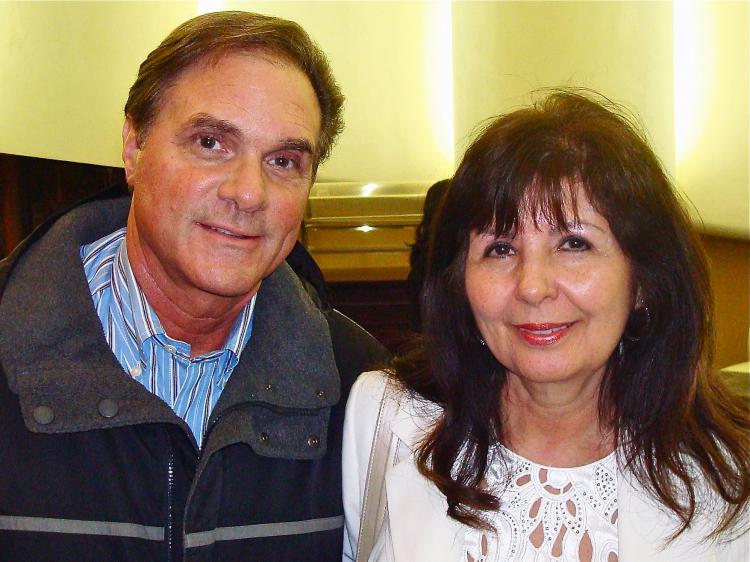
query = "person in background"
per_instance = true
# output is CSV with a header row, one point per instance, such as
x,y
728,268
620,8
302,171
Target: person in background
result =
x,y
561,404
418,254
170,390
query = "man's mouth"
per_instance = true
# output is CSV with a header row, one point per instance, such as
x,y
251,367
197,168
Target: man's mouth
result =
x,y
225,231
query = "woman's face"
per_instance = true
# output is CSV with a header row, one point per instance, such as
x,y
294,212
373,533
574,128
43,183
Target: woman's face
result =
x,y
551,305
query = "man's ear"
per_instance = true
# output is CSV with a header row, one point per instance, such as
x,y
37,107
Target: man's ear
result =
x,y
130,149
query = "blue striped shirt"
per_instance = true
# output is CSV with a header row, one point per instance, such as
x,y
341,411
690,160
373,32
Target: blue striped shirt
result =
x,y
134,333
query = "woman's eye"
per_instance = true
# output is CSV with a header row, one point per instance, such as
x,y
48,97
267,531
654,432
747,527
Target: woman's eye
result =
x,y
499,250
575,244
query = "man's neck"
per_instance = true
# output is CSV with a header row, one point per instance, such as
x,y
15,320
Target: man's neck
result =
x,y
202,321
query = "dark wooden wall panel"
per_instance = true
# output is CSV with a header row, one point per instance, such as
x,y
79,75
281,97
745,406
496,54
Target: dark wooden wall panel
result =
x,y
33,189
381,307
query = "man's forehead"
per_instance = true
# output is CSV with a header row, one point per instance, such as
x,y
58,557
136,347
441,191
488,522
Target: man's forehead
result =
x,y
265,53
216,91
215,63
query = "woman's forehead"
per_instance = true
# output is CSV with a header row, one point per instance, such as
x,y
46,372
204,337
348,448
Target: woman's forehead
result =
x,y
542,209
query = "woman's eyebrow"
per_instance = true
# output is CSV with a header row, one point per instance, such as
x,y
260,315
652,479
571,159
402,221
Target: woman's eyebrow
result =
x,y
578,225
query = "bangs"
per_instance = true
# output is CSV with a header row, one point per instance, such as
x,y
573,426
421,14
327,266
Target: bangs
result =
x,y
531,166
543,201
537,178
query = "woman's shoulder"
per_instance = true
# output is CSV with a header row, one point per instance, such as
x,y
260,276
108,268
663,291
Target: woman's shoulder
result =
x,y
379,396
369,386
363,405
366,396
644,519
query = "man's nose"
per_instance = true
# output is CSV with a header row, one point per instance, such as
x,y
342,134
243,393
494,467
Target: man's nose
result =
x,y
536,280
245,186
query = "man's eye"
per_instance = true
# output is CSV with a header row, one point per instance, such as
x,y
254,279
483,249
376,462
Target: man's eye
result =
x,y
284,162
207,142
575,244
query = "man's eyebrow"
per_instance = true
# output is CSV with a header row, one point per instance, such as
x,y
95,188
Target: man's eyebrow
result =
x,y
206,121
300,145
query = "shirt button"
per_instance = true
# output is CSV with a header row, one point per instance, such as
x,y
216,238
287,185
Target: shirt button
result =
x,y
313,441
43,415
108,408
136,370
170,348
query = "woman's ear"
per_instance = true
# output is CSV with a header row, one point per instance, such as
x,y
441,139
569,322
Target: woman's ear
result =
x,y
130,149
638,299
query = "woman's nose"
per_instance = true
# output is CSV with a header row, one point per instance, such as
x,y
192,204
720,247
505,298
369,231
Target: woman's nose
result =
x,y
536,280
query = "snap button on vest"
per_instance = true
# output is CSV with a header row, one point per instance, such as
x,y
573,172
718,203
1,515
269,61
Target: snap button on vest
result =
x,y
313,441
43,415
264,437
108,408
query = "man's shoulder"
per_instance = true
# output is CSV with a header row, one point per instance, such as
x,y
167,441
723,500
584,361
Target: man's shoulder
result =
x,y
356,351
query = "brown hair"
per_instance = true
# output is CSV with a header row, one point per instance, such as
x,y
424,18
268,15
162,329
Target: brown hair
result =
x,y
676,423
215,34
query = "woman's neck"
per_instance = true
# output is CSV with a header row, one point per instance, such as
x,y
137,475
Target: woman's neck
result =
x,y
554,425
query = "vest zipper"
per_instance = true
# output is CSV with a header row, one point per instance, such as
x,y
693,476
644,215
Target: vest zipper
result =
x,y
170,506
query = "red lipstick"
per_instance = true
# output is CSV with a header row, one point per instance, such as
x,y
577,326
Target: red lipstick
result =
x,y
543,334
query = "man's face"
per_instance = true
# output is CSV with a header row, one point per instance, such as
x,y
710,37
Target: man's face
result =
x,y
221,181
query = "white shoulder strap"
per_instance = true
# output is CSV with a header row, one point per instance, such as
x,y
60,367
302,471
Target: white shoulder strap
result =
x,y
374,505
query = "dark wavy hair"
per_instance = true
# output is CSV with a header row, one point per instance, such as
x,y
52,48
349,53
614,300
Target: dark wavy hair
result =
x,y
208,37
675,422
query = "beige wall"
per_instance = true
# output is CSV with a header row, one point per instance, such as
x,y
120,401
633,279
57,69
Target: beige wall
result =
x,y
711,109
67,67
418,76
389,58
504,50
66,70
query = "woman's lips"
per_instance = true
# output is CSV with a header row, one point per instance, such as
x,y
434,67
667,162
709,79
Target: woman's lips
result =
x,y
543,334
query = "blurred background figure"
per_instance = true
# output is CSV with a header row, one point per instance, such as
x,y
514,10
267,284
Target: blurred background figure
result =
x,y
418,254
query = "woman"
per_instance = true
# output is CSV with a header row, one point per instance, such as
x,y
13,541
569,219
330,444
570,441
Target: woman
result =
x,y
560,405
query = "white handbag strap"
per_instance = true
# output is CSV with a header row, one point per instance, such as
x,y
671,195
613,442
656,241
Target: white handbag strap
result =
x,y
373,505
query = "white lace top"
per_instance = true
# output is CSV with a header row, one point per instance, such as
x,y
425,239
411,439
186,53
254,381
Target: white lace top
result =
x,y
548,514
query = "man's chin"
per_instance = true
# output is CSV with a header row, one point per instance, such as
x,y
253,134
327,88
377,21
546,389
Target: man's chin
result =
x,y
236,279
232,288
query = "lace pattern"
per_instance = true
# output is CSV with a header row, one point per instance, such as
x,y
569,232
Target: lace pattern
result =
x,y
548,514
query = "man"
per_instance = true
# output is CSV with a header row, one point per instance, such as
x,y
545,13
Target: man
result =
x,y
169,390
